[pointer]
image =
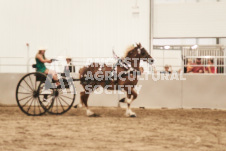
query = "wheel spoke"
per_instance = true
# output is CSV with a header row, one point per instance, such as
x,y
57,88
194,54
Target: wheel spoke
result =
x,y
31,83
52,106
34,105
61,104
56,104
48,104
30,105
28,85
25,88
64,101
44,94
25,98
27,102
66,97
41,102
61,92
35,83
23,93
51,100
39,106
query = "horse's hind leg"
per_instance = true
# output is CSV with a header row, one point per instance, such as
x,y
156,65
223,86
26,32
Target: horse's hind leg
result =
x,y
84,100
129,100
80,104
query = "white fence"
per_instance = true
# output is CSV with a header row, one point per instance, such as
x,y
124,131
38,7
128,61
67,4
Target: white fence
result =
x,y
214,54
178,55
174,55
197,91
78,62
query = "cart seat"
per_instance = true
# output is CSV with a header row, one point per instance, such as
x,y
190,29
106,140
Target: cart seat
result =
x,y
34,66
38,76
42,78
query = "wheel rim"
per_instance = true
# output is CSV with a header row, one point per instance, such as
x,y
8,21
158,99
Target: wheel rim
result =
x,y
45,100
27,95
63,100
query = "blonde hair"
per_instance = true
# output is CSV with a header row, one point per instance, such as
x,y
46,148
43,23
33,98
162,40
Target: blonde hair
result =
x,y
39,52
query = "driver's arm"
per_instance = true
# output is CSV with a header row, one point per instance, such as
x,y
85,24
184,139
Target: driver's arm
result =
x,y
43,60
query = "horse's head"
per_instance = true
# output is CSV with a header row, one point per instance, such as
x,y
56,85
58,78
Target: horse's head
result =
x,y
140,52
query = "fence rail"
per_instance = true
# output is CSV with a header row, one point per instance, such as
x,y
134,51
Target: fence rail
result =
x,y
205,52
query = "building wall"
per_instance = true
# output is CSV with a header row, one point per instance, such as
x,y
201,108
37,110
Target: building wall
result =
x,y
197,91
167,57
91,28
78,28
204,19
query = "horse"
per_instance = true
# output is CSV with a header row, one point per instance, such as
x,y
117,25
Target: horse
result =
x,y
126,72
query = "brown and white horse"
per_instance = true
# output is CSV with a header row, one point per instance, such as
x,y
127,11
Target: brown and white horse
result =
x,y
127,68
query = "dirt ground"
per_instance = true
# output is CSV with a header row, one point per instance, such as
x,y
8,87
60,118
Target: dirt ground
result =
x,y
159,130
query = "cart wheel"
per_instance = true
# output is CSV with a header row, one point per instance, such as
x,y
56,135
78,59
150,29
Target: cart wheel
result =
x,y
45,97
63,99
27,94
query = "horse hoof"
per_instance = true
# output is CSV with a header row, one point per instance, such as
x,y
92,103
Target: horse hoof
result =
x,y
122,100
94,115
78,106
133,115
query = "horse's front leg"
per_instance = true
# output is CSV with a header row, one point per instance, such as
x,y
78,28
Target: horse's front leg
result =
x,y
130,97
84,99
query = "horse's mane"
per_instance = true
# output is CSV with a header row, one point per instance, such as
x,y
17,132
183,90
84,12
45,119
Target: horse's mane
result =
x,y
128,49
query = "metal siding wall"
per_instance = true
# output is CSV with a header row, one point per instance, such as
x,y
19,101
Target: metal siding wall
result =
x,y
205,19
79,28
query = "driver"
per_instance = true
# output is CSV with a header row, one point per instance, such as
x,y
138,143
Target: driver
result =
x,y
40,60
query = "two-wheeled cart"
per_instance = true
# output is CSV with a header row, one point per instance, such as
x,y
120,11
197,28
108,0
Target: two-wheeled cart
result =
x,y
33,98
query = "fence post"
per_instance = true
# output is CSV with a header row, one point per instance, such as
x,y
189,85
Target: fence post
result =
x,y
224,60
27,44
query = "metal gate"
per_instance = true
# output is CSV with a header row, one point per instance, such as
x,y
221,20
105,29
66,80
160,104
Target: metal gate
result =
x,y
215,53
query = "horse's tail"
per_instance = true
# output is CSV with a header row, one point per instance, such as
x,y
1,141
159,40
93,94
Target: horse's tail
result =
x,y
82,72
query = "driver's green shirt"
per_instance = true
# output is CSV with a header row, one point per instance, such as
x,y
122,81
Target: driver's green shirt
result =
x,y
40,66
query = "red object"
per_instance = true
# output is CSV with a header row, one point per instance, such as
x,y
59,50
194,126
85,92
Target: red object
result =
x,y
198,69
212,69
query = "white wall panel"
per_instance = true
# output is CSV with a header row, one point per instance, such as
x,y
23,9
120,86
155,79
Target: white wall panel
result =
x,y
167,57
197,91
79,28
206,19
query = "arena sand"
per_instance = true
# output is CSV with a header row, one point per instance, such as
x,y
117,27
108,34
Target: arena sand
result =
x,y
153,129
